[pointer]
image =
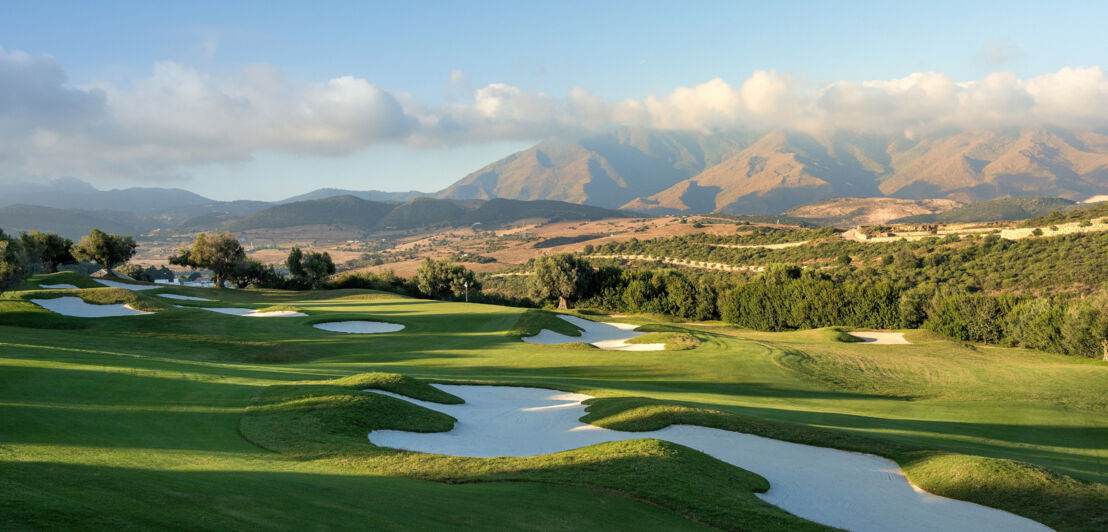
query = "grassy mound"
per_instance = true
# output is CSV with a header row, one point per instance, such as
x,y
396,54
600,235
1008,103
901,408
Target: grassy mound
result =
x,y
674,337
17,310
280,308
329,420
532,322
73,278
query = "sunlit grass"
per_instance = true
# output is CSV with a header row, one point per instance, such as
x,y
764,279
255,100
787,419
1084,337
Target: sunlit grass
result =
x,y
104,416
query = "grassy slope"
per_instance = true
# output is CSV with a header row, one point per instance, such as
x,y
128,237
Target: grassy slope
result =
x,y
148,407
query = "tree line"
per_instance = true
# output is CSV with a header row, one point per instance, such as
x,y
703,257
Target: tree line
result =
x,y
22,256
788,297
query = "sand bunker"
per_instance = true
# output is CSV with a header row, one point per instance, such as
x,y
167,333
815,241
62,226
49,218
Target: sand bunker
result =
x,y
251,313
838,488
61,286
881,338
359,327
127,286
182,298
76,307
610,336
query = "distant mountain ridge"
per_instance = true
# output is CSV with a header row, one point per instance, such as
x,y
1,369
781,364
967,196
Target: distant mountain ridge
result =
x,y
356,213
371,195
606,170
72,193
771,172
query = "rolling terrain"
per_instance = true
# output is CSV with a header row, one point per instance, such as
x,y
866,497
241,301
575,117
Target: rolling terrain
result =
x,y
236,423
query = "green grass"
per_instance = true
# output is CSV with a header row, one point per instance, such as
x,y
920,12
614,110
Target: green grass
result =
x,y
280,308
674,338
75,279
329,420
532,322
176,417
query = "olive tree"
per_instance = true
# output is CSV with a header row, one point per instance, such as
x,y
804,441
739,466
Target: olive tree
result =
x,y
561,276
47,249
13,263
222,254
105,249
441,278
312,266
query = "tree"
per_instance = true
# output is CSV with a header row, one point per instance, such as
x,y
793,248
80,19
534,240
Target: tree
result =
x,y
294,262
561,276
136,272
104,249
222,254
47,249
251,272
13,263
317,267
441,278
312,267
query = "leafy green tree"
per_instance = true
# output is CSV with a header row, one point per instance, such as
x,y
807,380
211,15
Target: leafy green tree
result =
x,y
441,279
562,276
136,272
251,272
317,267
295,262
49,250
105,249
14,267
974,317
1085,327
222,254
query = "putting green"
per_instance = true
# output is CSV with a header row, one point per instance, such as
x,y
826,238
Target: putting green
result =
x,y
137,420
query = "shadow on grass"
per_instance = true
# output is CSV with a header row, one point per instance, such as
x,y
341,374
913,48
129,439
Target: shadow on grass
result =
x,y
60,496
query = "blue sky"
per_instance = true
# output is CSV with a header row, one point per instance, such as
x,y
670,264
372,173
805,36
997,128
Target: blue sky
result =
x,y
438,54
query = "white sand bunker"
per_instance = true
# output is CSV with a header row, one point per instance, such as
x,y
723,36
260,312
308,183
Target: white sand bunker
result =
x,y
610,336
76,307
60,286
359,327
127,286
182,298
881,338
838,488
251,313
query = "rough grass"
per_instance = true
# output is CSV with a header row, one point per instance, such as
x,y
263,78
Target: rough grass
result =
x,y
280,308
73,278
674,341
675,337
532,322
329,420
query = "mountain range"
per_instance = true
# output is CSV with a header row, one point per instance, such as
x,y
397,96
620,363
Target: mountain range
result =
x,y
770,172
646,171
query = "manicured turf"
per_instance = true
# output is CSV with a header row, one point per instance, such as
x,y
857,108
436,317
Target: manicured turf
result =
x,y
139,421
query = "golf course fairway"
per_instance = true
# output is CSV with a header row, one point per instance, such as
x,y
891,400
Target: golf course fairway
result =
x,y
185,418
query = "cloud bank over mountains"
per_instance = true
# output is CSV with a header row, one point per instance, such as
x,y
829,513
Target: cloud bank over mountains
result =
x,y
154,127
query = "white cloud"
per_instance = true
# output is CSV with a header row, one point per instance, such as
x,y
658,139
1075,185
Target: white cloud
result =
x,y
154,126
